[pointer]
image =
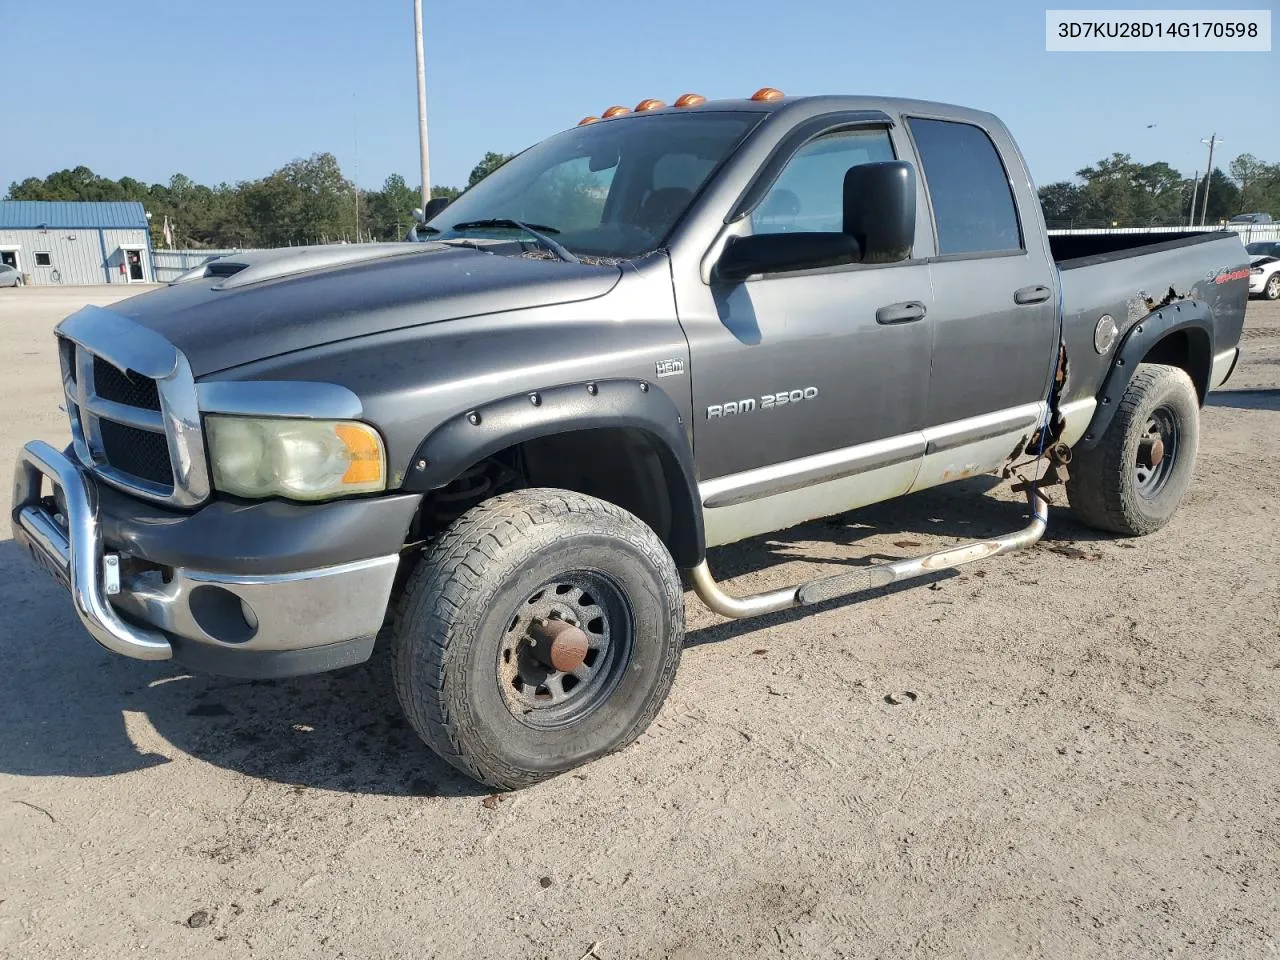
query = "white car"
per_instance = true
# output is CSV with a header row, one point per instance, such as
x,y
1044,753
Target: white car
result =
x,y
9,276
1264,269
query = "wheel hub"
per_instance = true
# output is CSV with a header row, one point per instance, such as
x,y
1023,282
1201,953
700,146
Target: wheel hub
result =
x,y
564,649
1157,450
1151,451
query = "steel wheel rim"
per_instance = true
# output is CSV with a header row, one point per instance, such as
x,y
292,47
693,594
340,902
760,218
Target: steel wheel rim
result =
x,y
1159,437
537,694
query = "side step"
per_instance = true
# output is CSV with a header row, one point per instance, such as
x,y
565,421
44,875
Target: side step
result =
x,y
868,578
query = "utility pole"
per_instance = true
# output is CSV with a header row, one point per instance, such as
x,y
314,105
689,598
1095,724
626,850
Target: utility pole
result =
x,y
1208,177
422,103
1195,192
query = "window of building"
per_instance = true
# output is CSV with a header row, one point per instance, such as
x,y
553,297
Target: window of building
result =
x,y
973,205
44,260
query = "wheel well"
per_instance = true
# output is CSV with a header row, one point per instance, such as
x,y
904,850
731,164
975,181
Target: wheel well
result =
x,y
1188,349
626,466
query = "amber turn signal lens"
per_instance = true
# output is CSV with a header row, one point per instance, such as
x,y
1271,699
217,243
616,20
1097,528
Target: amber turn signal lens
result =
x,y
690,100
767,93
650,104
614,112
585,120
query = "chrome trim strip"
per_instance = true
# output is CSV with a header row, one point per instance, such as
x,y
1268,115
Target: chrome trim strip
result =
x,y
139,417
959,433
791,475
279,398
78,550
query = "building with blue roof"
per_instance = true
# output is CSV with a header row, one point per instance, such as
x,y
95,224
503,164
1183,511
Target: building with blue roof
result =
x,y
73,242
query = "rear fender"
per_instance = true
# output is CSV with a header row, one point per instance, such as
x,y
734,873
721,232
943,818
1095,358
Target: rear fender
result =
x,y
1191,316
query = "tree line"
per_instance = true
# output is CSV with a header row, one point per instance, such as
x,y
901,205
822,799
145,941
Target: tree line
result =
x,y
311,201
1122,192
305,201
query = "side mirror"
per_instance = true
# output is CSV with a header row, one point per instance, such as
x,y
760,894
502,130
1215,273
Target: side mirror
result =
x,y
880,209
433,208
780,252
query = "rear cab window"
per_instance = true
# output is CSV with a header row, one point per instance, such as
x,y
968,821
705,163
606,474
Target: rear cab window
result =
x,y
973,206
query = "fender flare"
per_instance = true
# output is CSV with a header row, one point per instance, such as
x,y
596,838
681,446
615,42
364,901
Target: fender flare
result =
x,y
1190,315
484,430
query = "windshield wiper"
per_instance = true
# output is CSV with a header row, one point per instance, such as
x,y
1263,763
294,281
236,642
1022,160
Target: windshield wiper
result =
x,y
537,230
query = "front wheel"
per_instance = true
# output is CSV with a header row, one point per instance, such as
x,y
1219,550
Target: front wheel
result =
x,y
541,630
1133,480
1272,290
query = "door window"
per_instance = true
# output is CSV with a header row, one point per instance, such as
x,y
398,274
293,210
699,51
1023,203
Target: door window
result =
x,y
973,205
808,195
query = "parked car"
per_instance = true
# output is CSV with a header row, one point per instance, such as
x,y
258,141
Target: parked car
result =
x,y
10,276
617,351
1251,218
1264,269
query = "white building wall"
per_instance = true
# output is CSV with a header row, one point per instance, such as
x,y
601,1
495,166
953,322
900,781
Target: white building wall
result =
x,y
76,256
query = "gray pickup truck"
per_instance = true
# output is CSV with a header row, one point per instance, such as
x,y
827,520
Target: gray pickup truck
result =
x,y
652,334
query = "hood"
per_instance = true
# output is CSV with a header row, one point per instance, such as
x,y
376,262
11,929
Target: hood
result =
x,y
225,321
1262,261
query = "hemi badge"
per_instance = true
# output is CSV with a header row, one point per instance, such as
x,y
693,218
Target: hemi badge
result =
x,y
669,368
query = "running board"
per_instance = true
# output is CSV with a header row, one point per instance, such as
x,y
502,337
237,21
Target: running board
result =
x,y
868,578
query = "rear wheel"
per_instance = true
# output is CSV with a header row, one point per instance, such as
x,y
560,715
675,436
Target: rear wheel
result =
x,y
1134,479
542,629
1272,290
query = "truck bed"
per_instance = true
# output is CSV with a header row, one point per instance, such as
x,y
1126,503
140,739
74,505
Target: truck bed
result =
x,y
1129,275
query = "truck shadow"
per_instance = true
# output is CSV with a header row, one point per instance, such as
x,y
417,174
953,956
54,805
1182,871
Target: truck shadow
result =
x,y
1261,399
920,523
69,708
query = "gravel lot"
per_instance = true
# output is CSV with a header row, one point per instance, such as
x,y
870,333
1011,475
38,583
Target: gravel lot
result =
x,y
1084,759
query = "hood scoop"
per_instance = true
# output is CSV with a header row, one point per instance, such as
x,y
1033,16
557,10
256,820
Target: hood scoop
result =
x,y
241,270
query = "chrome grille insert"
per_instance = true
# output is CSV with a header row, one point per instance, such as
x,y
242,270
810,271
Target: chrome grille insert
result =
x,y
131,399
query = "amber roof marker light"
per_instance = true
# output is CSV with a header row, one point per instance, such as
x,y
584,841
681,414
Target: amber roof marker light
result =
x,y
766,94
690,100
649,104
585,120
616,111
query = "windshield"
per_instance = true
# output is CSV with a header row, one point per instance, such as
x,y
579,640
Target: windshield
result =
x,y
1264,249
608,189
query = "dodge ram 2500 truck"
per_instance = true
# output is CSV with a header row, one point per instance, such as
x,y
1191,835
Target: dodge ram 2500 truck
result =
x,y
659,331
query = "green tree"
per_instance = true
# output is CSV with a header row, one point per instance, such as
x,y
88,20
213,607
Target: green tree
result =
x,y
489,163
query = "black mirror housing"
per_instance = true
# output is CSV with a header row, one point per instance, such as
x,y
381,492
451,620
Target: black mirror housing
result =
x,y
880,209
781,252
433,208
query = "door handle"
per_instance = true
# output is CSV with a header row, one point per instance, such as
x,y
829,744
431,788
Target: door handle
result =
x,y
907,312
1038,293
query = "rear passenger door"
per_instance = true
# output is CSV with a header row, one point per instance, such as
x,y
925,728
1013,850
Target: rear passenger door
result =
x,y
995,302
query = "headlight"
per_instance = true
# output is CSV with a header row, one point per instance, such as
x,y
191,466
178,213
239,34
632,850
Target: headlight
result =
x,y
299,459
1256,270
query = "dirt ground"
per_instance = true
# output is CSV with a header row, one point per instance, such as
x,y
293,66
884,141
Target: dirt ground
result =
x,y
1068,752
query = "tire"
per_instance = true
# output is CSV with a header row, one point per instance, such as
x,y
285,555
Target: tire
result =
x,y
1115,486
464,670
1272,290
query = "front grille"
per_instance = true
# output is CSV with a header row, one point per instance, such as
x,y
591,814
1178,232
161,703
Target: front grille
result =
x,y
127,387
139,453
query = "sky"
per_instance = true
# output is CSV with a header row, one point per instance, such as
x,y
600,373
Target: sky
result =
x,y
231,90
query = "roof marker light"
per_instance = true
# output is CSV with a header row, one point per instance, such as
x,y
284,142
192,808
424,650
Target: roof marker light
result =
x,y
615,111
649,104
585,120
767,93
690,100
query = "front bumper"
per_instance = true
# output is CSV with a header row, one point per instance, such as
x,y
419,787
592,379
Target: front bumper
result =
x,y
255,624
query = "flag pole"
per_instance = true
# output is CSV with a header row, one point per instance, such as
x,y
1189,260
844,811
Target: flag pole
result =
x,y
422,103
